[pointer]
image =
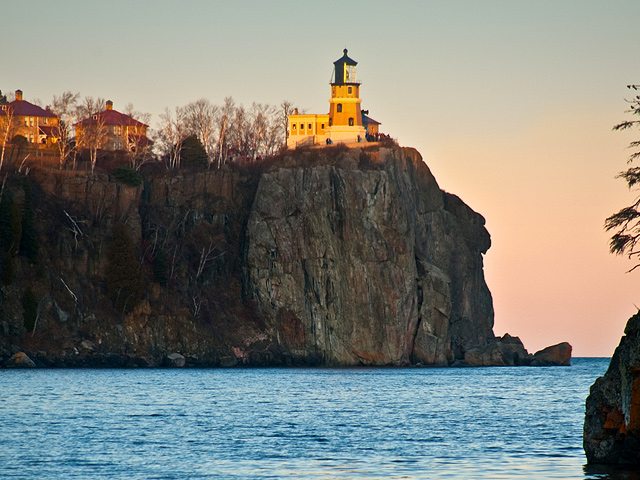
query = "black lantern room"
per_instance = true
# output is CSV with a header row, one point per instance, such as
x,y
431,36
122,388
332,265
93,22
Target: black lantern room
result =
x,y
345,71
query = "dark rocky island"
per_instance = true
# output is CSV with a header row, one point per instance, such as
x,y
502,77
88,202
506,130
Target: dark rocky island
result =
x,y
329,256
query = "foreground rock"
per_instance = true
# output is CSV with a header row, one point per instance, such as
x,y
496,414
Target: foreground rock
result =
x,y
20,360
612,418
175,360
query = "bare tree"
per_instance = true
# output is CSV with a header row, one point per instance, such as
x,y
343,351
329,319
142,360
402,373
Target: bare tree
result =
x,y
171,133
64,108
6,124
89,106
264,130
91,136
224,120
286,109
201,120
136,142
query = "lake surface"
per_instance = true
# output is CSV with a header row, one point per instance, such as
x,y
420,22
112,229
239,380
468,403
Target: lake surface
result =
x,y
498,423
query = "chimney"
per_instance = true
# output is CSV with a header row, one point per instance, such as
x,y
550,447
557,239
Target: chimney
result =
x,y
18,94
109,105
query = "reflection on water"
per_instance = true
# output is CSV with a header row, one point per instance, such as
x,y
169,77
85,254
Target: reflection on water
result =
x,y
506,423
608,472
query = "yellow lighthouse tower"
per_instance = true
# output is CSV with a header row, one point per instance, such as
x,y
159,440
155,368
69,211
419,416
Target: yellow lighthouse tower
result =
x,y
345,122
345,114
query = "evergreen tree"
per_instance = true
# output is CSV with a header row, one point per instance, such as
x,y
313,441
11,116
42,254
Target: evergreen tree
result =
x,y
30,307
29,238
10,224
123,275
10,235
160,267
193,152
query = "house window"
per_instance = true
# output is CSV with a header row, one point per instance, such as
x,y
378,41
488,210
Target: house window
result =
x,y
351,121
322,127
330,122
339,108
26,122
46,121
31,121
293,127
350,89
310,127
95,117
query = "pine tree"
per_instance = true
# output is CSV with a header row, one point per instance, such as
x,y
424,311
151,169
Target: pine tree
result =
x,y
123,275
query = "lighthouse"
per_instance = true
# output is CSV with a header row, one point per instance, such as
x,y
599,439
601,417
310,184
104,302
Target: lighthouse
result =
x,y
345,113
344,122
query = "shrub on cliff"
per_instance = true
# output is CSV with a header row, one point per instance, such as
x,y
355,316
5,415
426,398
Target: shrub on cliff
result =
x,y
193,153
10,224
30,309
29,238
123,276
128,176
10,235
160,267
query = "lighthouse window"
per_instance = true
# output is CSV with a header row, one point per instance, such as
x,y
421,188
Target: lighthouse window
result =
x,y
351,121
339,108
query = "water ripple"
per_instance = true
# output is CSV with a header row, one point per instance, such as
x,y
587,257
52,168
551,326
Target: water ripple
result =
x,y
492,423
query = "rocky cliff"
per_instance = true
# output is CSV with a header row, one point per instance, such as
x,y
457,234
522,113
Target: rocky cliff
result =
x,y
328,256
612,418
368,265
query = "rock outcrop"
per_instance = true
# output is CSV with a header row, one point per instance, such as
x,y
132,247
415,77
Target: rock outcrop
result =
x,y
554,355
372,266
20,360
506,351
329,256
612,418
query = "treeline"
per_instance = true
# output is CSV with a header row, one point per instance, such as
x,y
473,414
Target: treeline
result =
x,y
227,132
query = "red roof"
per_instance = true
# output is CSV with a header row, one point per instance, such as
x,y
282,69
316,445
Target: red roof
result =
x,y
113,117
26,109
49,130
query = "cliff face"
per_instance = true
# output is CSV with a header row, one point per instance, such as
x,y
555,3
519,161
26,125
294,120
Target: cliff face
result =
x,y
334,256
612,419
368,265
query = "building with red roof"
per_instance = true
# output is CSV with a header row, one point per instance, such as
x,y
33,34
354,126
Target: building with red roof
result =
x,y
120,131
36,124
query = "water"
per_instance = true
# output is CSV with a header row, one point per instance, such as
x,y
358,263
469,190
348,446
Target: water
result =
x,y
497,423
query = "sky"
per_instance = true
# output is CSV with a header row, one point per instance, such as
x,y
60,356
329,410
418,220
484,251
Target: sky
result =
x,y
511,104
